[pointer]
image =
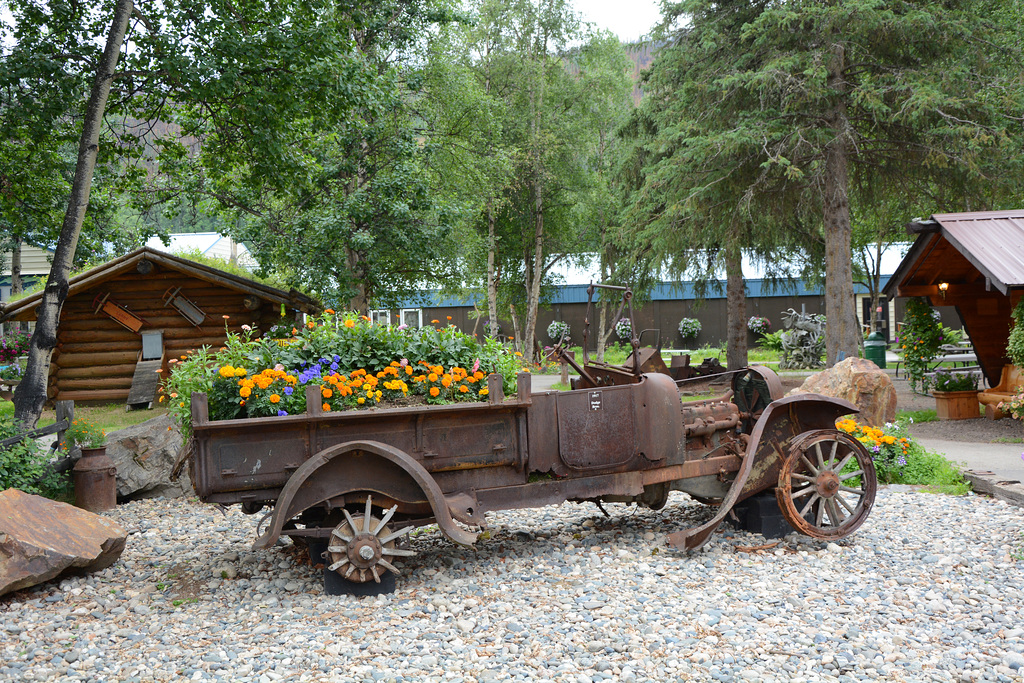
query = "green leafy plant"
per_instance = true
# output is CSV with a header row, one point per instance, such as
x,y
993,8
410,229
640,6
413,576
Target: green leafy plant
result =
x,y
25,465
772,341
944,380
920,339
10,372
1015,343
84,434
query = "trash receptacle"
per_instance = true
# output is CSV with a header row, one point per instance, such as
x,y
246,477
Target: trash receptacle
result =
x,y
874,349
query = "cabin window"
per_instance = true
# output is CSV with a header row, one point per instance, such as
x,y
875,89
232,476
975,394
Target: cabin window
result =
x,y
381,316
413,317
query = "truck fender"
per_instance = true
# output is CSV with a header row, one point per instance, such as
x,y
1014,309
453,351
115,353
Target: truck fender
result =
x,y
781,422
360,466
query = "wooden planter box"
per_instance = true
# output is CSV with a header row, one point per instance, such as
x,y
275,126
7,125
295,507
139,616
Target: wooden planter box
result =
x,y
957,405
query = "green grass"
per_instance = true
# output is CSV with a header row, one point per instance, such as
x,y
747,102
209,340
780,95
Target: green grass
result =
x,y
109,418
928,415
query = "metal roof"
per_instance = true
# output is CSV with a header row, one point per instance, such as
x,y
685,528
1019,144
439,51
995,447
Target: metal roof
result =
x,y
991,240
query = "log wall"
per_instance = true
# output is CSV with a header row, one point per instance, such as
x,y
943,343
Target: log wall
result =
x,y
95,356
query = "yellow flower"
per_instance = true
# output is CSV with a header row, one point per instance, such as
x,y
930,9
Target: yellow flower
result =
x,y
240,372
181,405
518,354
227,371
360,400
484,391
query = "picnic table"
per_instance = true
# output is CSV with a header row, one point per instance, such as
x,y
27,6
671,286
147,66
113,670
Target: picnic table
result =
x,y
963,361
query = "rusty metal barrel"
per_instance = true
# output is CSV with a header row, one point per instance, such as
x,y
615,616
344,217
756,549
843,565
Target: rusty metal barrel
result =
x,y
95,478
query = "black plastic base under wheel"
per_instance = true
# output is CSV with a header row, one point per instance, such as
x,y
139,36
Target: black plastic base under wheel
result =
x,y
760,514
335,584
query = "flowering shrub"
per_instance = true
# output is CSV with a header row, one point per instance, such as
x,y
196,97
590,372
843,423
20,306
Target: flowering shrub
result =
x,y
13,345
758,324
689,328
945,380
1015,342
919,339
12,371
899,459
84,434
558,330
1014,406
352,362
624,329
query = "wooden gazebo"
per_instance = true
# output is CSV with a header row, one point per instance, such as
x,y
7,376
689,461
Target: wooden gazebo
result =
x,y
124,320
975,262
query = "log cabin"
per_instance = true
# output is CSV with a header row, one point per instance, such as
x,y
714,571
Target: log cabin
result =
x,y
124,320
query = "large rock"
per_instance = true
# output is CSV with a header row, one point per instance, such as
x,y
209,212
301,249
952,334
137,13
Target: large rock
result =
x,y
145,455
40,539
859,381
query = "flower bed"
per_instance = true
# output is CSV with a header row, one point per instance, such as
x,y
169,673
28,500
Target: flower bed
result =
x,y
901,460
354,364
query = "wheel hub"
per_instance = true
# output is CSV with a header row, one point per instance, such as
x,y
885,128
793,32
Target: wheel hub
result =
x,y
360,547
827,484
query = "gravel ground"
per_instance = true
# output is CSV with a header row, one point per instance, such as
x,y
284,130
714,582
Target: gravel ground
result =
x,y
928,590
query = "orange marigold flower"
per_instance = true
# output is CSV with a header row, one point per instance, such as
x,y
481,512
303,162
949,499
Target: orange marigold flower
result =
x,y
449,317
478,374
408,369
310,324
434,391
326,407
435,321
350,323
294,331
432,377
326,393
329,311
363,317
463,389
274,398
245,392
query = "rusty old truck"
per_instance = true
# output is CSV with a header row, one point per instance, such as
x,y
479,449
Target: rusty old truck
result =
x,y
357,482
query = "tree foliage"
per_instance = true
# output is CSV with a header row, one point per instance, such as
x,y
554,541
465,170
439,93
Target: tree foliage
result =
x,y
790,113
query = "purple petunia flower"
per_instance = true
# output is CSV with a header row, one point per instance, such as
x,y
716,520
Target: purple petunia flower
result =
x,y
337,358
281,413
288,391
334,366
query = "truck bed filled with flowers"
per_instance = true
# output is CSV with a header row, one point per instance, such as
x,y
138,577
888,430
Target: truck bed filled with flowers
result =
x,y
354,363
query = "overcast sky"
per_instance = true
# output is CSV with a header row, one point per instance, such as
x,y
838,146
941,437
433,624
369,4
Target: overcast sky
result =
x,y
628,19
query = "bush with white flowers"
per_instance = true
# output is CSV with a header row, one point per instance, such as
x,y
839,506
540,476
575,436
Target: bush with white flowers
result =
x,y
689,328
624,328
758,324
558,329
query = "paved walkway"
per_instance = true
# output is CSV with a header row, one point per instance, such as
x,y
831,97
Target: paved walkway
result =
x,y
1003,459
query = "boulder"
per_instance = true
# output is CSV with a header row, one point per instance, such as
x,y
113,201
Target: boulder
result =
x,y
40,539
859,381
144,455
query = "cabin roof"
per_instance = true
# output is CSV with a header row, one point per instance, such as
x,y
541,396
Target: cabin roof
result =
x,y
292,299
991,243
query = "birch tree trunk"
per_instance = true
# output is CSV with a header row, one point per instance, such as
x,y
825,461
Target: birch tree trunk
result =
x,y
30,395
736,303
492,279
842,332
17,285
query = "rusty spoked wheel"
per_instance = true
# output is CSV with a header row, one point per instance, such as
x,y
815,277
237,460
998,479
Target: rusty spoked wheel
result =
x,y
360,546
827,484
